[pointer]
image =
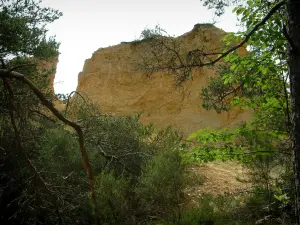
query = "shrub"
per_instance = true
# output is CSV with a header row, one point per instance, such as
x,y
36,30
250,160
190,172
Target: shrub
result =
x,y
269,206
161,185
148,33
143,177
215,210
112,199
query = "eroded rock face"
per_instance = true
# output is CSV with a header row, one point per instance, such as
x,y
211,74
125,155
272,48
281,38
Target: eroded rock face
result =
x,y
111,80
48,66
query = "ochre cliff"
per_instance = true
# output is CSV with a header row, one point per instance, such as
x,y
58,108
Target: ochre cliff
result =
x,y
49,65
111,80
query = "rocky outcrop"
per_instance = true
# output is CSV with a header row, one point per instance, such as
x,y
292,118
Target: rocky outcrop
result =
x,y
49,66
111,80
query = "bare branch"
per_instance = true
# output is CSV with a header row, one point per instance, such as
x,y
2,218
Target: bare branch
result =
x,y
172,50
247,37
221,55
69,98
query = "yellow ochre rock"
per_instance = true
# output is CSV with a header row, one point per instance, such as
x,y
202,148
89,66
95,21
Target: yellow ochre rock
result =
x,y
111,80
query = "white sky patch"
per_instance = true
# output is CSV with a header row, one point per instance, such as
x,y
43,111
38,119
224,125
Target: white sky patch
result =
x,y
91,24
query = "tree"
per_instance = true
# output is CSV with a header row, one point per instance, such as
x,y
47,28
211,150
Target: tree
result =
x,y
288,27
259,79
23,30
44,179
23,44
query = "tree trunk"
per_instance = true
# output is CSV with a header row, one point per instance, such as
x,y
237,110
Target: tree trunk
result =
x,y
293,27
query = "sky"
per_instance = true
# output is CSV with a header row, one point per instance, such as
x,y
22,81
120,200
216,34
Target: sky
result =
x,y
92,24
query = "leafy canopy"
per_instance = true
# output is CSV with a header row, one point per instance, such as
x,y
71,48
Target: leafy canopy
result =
x,y
23,32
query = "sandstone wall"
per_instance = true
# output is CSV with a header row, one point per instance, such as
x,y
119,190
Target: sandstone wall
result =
x,y
51,65
110,79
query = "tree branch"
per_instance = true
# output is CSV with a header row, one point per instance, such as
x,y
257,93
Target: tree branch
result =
x,y
224,54
231,92
69,98
18,76
248,36
22,65
43,115
20,148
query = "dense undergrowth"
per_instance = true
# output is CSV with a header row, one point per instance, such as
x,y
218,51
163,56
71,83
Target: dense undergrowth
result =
x,y
143,182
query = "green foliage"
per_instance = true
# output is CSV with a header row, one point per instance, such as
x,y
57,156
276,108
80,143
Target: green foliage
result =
x,y
217,210
58,151
59,158
258,77
146,176
244,143
149,33
219,5
122,137
22,30
161,185
268,209
112,197
256,81
133,165
139,171
150,162
23,44
215,93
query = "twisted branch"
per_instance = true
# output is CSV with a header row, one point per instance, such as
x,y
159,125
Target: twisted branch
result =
x,y
4,73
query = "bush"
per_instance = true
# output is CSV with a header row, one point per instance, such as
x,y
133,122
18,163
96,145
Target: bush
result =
x,y
148,33
112,199
138,171
161,185
143,178
269,206
121,137
215,210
